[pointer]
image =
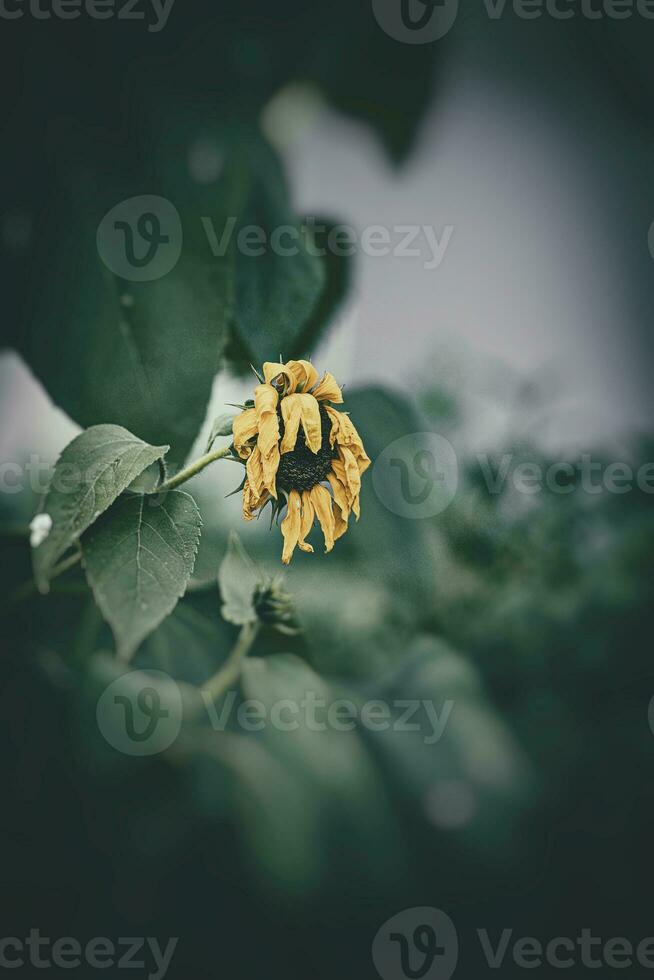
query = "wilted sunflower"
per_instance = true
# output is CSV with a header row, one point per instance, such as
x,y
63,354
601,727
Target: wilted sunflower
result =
x,y
296,446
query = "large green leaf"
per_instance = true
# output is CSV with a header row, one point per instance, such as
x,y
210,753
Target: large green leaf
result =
x,y
138,560
107,346
398,552
447,749
238,580
139,342
305,732
92,471
278,290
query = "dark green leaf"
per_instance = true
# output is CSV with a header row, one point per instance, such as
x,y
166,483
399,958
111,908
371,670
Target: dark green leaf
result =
x,y
90,474
341,785
454,757
108,346
276,293
138,560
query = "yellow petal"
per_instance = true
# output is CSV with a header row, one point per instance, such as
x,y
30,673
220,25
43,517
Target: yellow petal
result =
x,y
254,470
311,422
352,475
304,373
328,389
270,465
340,521
252,501
244,429
344,434
363,462
340,493
322,505
306,521
265,407
338,467
280,377
291,414
305,409
336,424
291,525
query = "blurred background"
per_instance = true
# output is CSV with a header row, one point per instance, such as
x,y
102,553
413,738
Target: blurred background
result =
x,y
526,144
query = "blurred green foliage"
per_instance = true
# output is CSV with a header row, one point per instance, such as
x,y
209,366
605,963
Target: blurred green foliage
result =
x,y
531,620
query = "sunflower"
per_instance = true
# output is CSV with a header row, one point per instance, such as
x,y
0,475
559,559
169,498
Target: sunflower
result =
x,y
300,453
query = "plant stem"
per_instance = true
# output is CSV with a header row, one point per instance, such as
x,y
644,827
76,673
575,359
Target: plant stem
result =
x,y
27,589
230,672
64,565
194,468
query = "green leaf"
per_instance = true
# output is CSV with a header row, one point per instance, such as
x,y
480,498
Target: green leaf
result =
x,y
238,580
411,559
138,560
222,426
367,74
276,293
92,471
144,353
341,785
107,346
191,643
455,759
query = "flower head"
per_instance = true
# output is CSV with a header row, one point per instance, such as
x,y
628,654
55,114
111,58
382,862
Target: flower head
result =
x,y
300,453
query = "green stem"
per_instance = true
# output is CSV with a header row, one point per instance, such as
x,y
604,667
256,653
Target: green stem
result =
x,y
230,672
27,589
64,565
194,468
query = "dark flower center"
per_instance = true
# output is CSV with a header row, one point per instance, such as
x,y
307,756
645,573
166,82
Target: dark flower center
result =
x,y
301,469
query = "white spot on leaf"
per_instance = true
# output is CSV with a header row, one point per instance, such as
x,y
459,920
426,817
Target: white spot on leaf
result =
x,y
39,529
